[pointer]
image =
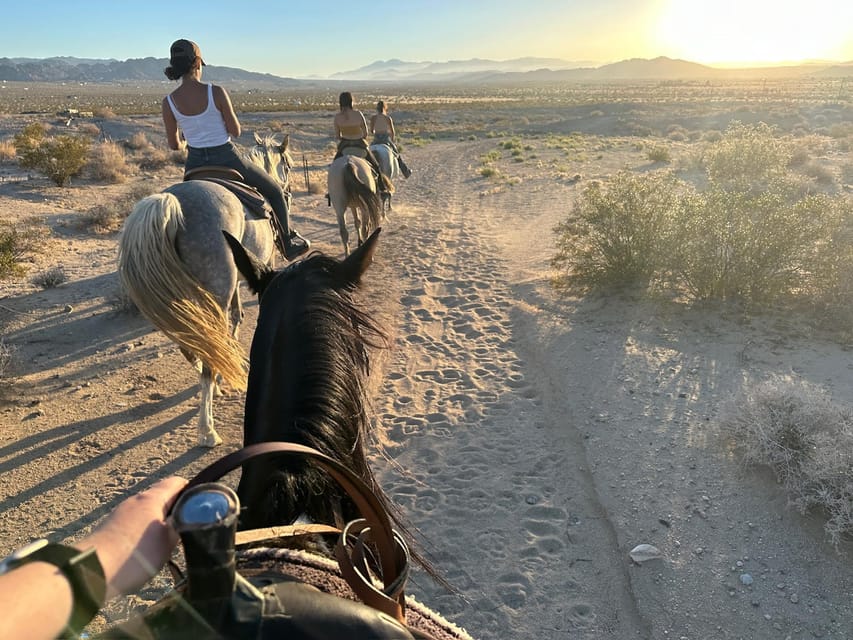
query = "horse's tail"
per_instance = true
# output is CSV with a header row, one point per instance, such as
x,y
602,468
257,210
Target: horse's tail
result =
x,y
362,196
166,293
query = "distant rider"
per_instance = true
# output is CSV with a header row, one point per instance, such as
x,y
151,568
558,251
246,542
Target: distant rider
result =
x,y
382,128
351,132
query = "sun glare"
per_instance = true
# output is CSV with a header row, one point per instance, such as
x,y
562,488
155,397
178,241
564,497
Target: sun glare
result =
x,y
756,31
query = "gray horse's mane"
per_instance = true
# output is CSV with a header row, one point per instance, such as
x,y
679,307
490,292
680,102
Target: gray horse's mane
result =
x,y
260,155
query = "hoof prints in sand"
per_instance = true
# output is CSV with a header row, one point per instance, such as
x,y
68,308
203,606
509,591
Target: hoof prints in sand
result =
x,y
458,386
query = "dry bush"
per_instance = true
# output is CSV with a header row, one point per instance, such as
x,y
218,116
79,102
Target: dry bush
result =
x,y
138,141
108,163
847,172
676,133
153,158
109,216
89,129
659,153
51,278
7,359
796,430
7,150
316,181
820,173
121,302
15,243
106,113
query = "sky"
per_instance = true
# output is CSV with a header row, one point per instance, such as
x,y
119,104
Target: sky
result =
x,y
304,38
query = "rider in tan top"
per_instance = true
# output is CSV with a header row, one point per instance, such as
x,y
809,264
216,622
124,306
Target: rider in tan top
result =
x,y
382,128
351,131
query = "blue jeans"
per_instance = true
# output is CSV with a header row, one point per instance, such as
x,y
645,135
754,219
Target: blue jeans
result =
x,y
225,155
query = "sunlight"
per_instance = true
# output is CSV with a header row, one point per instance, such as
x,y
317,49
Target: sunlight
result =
x,y
756,31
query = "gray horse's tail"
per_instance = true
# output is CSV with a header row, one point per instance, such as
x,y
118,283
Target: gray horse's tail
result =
x,y
166,293
362,196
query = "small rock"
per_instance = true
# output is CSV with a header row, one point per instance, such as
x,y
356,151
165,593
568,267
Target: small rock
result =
x,y
746,579
645,552
795,598
68,308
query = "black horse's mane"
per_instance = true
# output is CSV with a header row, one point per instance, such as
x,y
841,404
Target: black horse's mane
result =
x,y
307,384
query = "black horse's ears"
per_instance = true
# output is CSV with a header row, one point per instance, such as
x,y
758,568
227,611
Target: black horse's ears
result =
x,y
354,266
254,271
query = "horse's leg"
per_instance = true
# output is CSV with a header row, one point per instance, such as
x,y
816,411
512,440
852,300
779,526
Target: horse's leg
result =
x,y
207,436
342,227
359,224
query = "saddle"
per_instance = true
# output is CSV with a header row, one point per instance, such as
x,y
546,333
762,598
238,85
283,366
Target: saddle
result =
x,y
232,180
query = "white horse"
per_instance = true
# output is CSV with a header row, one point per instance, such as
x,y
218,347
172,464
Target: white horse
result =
x,y
351,185
390,167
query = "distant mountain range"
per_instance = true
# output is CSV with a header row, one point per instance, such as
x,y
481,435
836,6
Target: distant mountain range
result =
x,y
473,72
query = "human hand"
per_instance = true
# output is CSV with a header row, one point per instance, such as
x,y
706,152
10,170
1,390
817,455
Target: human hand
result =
x,y
135,541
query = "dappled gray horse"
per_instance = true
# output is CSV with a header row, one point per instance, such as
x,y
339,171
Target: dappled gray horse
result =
x,y
175,265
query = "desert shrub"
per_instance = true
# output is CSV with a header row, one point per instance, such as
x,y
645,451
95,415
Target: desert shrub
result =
x,y
7,359
489,171
58,157
615,235
729,240
15,244
847,172
90,129
841,130
138,141
107,113
807,440
819,173
154,158
121,302
799,156
752,246
658,153
7,150
747,157
51,278
108,217
108,163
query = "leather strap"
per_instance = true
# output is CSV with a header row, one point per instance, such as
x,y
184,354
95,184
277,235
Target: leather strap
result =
x,y
254,536
350,551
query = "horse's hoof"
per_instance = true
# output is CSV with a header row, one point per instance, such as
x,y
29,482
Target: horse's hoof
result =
x,y
210,441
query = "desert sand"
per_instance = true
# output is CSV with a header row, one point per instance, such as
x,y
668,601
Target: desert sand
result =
x,y
533,438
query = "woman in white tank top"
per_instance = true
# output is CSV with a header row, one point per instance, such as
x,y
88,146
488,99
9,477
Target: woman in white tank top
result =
x,y
204,115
